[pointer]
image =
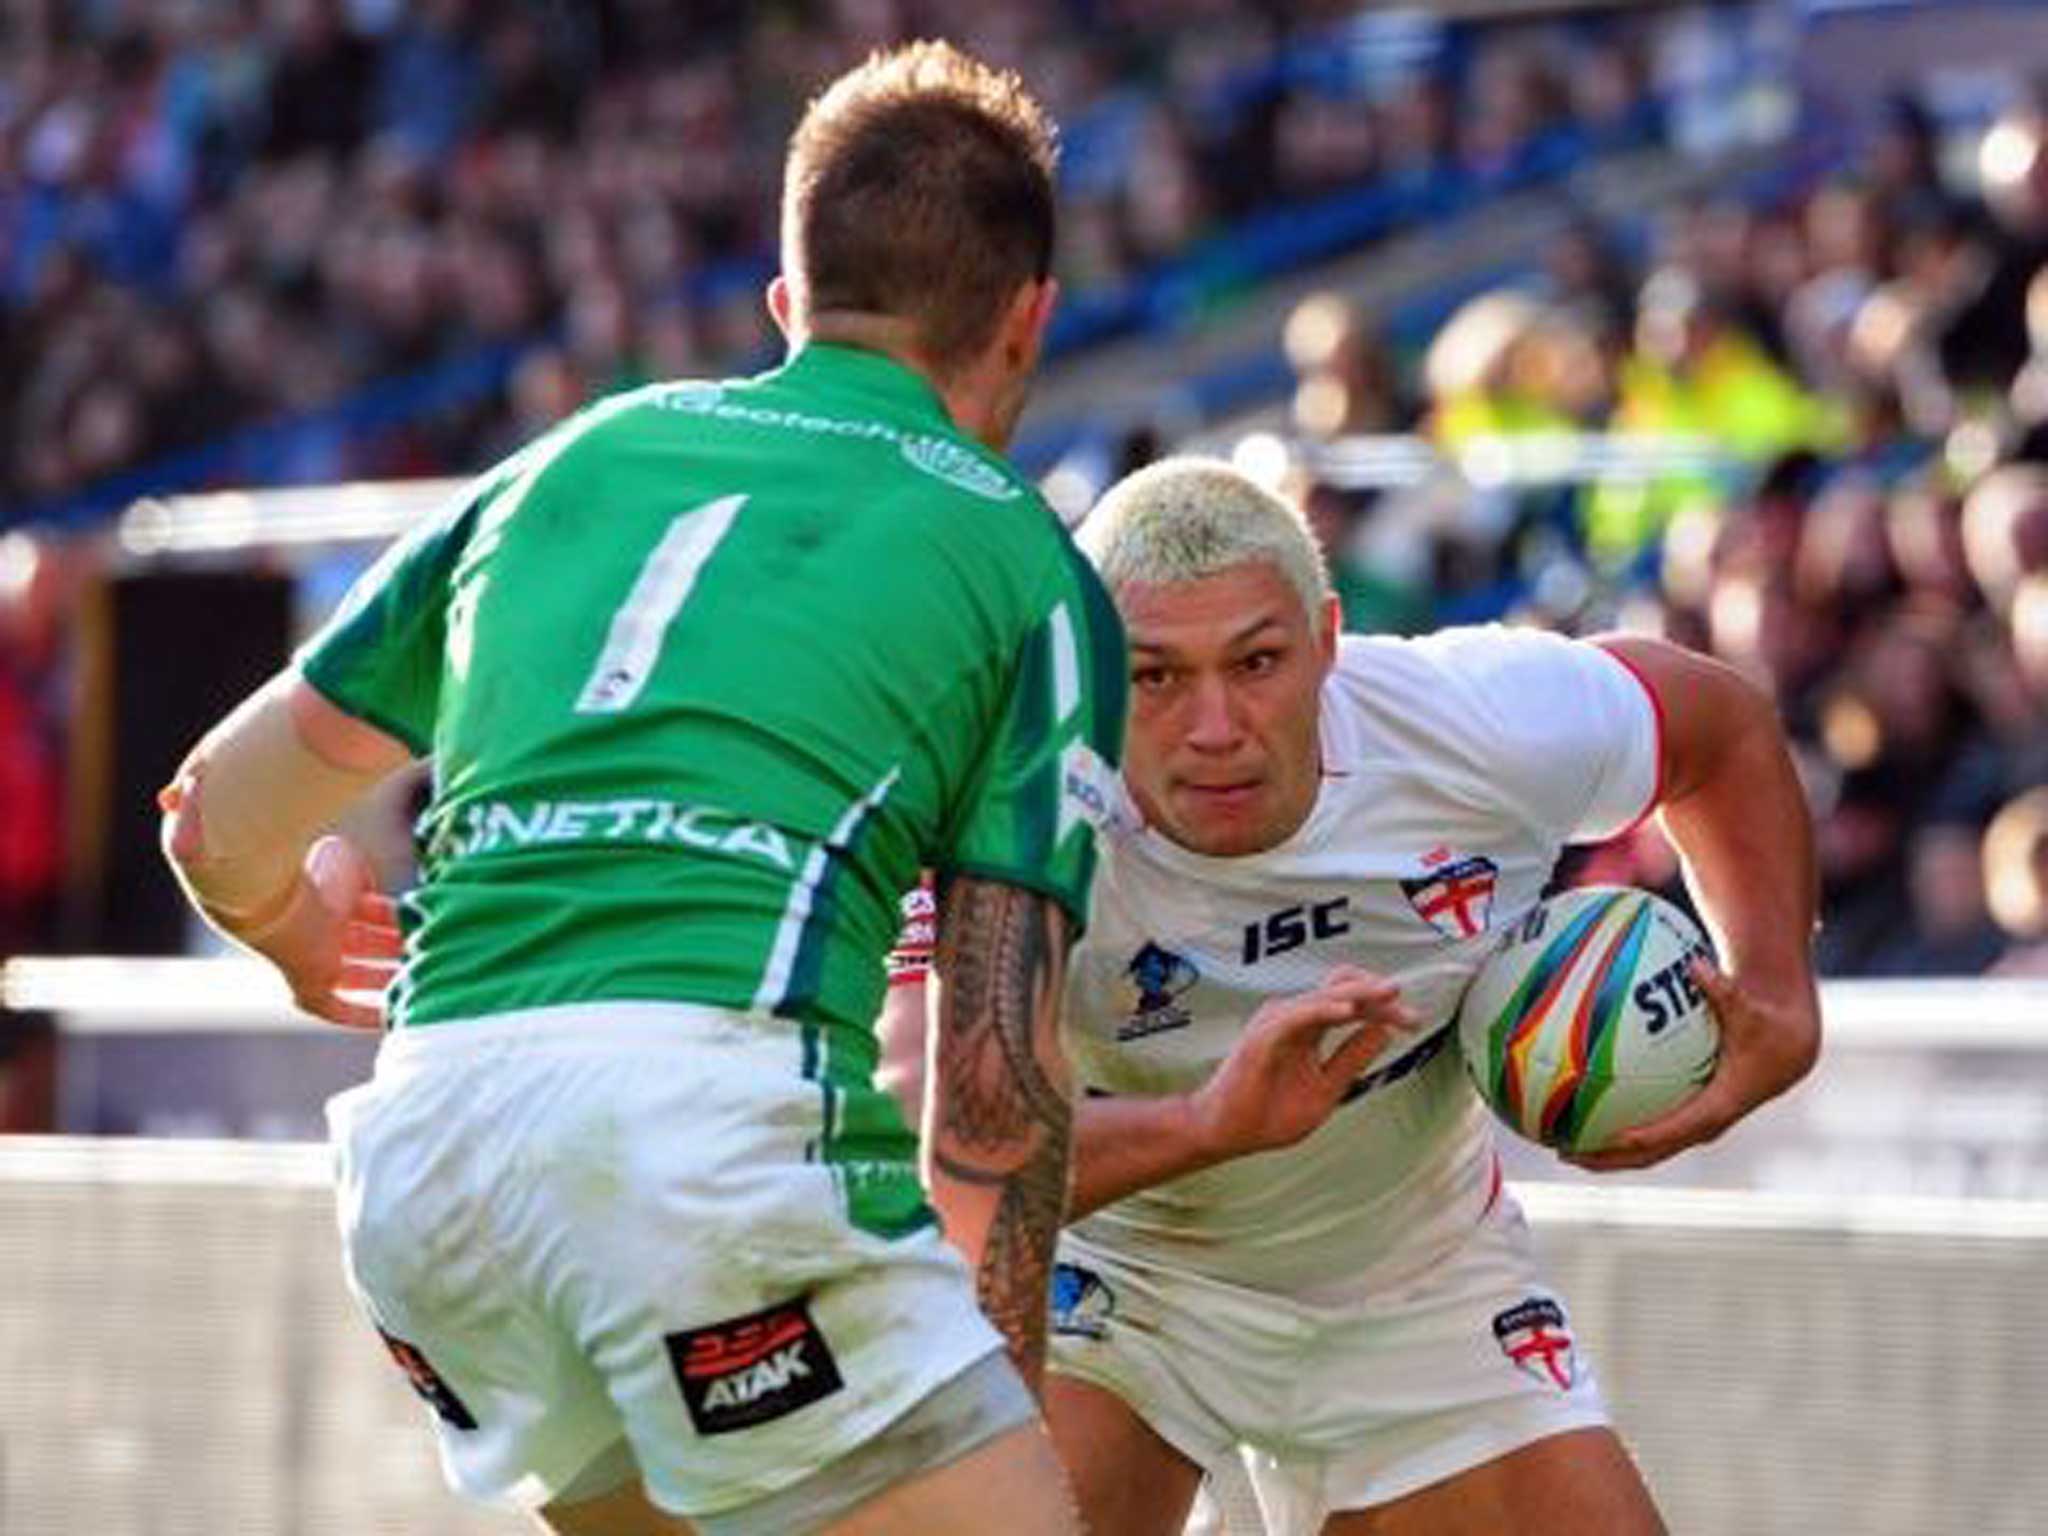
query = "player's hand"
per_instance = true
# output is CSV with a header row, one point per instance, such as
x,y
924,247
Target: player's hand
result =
x,y
1768,1043
339,945
1289,1070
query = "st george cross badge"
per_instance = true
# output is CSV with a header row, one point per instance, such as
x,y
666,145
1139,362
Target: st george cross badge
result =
x,y
1535,1336
1455,898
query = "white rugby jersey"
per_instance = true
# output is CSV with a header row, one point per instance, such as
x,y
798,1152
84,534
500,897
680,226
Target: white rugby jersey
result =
x,y
1455,769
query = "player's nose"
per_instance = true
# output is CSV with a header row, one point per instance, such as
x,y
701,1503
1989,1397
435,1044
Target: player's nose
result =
x,y
1211,722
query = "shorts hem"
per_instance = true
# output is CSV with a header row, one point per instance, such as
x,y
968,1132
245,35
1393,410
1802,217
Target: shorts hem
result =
x,y
1426,1470
536,1488
1179,1435
874,1466
854,1434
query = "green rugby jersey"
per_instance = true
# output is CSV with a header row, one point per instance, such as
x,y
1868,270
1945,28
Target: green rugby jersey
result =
x,y
707,674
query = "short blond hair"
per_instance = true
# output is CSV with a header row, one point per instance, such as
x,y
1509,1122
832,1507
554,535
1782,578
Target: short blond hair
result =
x,y
920,185
1185,518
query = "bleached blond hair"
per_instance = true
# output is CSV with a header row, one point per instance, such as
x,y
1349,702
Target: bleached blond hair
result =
x,y
1185,518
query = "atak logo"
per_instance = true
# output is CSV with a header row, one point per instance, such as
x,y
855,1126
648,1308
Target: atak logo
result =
x,y
1082,1302
748,1370
1456,898
1160,977
1536,1337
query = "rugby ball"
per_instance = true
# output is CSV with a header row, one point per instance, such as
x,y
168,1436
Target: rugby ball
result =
x,y
1585,1020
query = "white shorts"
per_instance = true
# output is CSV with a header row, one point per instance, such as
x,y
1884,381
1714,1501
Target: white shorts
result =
x,y
1335,1407
583,1223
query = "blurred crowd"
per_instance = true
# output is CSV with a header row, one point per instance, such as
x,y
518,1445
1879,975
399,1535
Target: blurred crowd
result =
x,y
1867,363
215,212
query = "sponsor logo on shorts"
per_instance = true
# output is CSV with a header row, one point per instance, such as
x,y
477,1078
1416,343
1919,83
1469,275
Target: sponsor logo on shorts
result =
x,y
427,1382
1535,1336
1082,1302
1453,895
1160,977
750,1370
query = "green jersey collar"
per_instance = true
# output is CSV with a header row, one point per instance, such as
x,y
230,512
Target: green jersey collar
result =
x,y
870,375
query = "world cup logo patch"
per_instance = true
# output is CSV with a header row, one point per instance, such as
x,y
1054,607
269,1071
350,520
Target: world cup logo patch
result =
x,y
1159,977
1082,1302
1535,1336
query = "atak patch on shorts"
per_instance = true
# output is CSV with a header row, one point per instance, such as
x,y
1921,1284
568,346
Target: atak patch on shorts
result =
x,y
1082,1302
749,1370
426,1381
1536,1337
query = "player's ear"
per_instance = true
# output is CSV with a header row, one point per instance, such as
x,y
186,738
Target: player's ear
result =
x,y
1024,323
779,305
1329,629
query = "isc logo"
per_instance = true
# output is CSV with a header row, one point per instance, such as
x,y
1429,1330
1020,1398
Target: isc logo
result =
x,y
1291,927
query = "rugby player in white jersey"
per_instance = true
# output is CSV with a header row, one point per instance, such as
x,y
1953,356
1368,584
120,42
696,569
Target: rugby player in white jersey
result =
x,y
1276,1245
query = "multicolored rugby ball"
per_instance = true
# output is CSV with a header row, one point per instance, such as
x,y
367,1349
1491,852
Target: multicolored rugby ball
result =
x,y
1585,1020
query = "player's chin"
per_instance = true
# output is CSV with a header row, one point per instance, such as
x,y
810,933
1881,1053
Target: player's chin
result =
x,y
1223,822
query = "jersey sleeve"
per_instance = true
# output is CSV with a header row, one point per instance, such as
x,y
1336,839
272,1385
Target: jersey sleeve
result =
x,y
379,657
1048,778
1573,740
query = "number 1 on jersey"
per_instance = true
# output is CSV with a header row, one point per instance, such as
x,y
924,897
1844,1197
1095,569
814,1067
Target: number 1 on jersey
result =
x,y
633,644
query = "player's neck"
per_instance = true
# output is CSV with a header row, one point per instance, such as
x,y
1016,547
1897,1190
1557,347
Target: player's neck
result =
x,y
972,401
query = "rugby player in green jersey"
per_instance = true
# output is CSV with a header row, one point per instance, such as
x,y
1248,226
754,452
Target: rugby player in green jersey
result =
x,y
705,675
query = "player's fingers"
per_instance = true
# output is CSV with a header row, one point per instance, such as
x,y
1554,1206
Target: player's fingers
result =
x,y
1380,1016
353,1015
340,1010
1293,1019
365,975
378,939
338,870
1723,995
1699,1119
376,907
1358,1049
1357,980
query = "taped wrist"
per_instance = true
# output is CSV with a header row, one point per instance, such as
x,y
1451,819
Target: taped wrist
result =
x,y
246,806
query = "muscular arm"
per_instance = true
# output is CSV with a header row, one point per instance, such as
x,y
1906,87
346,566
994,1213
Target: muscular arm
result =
x,y
1124,1145
999,1117
1733,808
1121,1145
1282,1080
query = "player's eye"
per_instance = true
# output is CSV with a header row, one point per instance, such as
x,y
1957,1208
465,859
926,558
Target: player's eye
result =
x,y
1259,663
1150,679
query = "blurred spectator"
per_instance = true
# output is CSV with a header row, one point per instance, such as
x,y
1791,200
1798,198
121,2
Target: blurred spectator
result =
x,y
1695,373
1475,389
1365,574
32,603
1951,931
2016,882
320,83
1345,378
2005,530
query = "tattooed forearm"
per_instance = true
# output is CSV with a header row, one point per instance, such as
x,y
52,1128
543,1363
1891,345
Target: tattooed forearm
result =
x,y
1002,1118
